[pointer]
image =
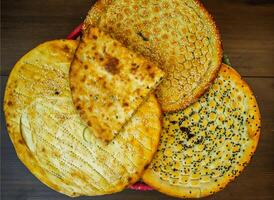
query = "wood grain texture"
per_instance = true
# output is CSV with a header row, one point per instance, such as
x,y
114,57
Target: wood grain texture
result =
x,y
27,23
247,30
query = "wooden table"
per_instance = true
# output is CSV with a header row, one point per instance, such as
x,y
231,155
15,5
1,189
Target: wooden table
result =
x,y
247,30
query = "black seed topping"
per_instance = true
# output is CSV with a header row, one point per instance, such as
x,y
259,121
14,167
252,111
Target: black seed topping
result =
x,y
142,36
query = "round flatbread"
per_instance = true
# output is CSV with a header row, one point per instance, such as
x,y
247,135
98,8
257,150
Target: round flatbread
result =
x,y
52,141
179,35
205,146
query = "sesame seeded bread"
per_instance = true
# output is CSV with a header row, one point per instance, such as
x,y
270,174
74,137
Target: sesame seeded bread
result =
x,y
54,143
207,145
109,82
179,35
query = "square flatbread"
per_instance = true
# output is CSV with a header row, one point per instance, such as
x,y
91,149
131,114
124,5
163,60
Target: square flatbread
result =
x,y
109,82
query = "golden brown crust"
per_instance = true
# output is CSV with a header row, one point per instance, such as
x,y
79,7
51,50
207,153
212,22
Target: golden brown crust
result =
x,y
11,116
159,49
50,139
109,82
192,99
98,9
219,134
157,142
255,126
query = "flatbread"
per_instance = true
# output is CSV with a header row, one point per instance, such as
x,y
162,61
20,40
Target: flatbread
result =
x,y
207,145
55,144
109,82
179,35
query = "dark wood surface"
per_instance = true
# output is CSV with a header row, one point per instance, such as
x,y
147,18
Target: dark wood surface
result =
x,y
247,30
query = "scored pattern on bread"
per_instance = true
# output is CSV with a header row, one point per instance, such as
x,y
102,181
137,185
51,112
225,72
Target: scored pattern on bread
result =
x,y
109,82
180,35
54,143
205,146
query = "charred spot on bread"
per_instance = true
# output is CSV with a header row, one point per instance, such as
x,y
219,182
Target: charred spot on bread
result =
x,y
112,65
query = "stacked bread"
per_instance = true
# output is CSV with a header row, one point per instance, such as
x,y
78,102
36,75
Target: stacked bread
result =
x,y
142,95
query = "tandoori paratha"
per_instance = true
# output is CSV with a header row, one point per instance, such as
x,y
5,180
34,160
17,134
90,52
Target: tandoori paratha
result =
x,y
109,82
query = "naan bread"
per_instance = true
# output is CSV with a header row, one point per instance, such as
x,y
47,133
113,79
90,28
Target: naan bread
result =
x,y
55,144
179,35
109,82
205,146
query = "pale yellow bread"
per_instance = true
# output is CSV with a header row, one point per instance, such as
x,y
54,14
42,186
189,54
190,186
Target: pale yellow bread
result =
x,y
55,144
179,35
109,82
207,145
